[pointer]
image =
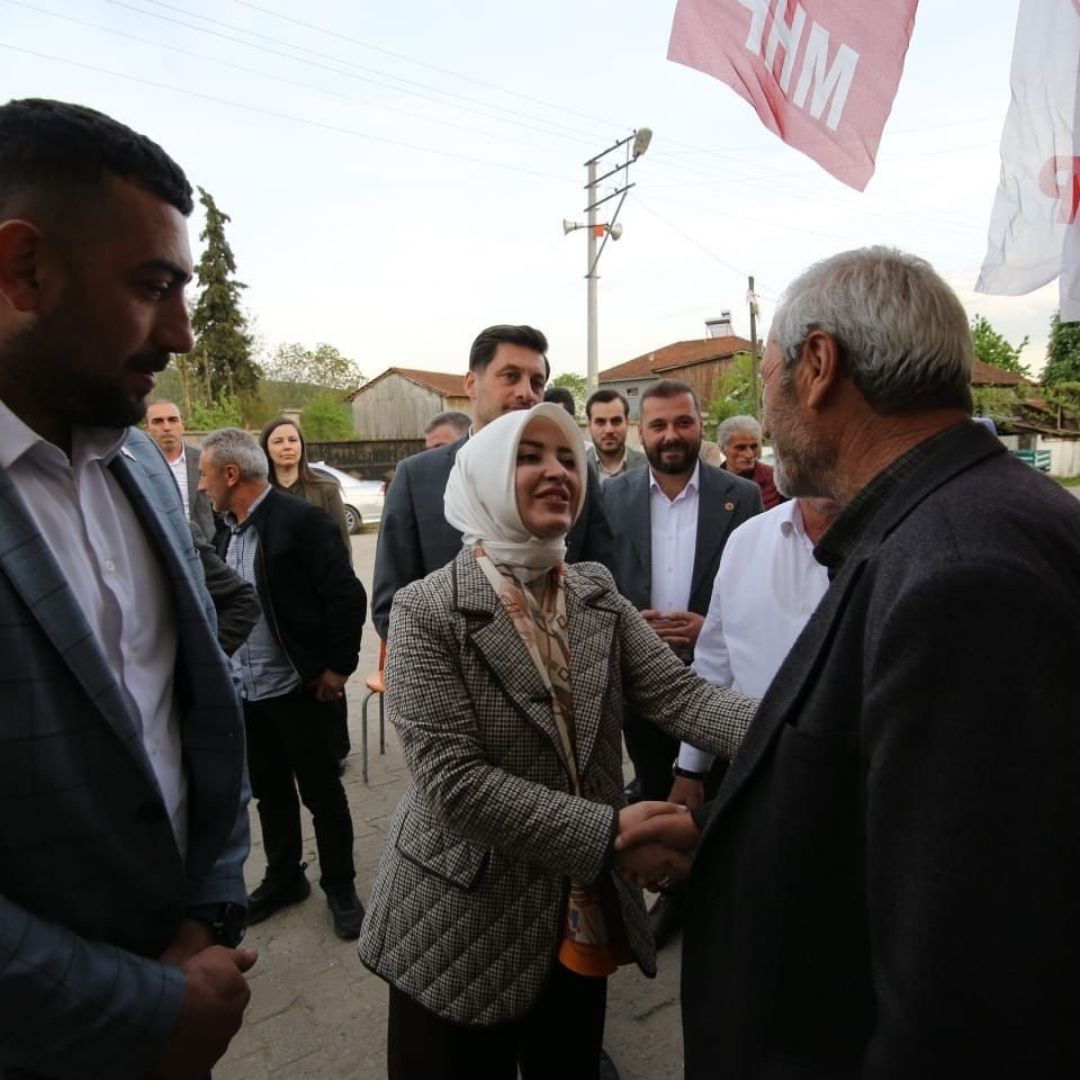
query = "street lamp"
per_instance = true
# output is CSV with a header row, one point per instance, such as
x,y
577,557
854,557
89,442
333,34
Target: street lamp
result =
x,y
635,145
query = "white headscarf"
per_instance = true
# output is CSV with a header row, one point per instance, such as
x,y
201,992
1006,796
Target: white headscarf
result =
x,y
481,494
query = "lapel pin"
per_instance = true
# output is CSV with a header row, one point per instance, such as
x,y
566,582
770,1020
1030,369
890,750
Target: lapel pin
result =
x,y
729,506
127,453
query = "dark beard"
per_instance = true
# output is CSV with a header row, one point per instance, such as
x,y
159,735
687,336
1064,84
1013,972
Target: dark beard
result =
x,y
672,468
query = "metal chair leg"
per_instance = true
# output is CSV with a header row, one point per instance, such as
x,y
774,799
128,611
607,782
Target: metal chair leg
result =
x,y
363,735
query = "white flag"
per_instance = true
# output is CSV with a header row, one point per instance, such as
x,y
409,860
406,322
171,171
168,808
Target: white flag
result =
x,y
1033,227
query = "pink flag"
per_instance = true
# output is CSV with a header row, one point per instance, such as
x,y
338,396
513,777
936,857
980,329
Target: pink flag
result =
x,y
822,74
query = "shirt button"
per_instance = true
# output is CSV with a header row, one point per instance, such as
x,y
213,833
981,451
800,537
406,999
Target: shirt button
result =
x,y
110,566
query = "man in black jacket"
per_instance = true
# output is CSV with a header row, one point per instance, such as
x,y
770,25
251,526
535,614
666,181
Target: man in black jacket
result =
x,y
291,670
508,368
886,885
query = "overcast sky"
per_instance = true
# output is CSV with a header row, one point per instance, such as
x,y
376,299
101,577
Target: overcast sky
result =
x,y
397,172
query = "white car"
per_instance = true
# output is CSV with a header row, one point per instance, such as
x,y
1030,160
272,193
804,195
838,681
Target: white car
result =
x,y
363,499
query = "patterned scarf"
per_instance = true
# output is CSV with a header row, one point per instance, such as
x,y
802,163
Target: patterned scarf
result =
x,y
541,624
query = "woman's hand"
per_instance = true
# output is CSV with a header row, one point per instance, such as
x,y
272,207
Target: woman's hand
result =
x,y
650,864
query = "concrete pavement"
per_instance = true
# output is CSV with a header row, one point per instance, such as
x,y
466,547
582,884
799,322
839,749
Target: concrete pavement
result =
x,y
316,1012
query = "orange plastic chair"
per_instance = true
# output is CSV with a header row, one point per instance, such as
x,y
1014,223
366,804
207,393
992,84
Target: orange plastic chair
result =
x,y
375,685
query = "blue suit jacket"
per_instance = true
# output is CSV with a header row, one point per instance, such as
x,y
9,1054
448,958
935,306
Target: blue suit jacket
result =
x,y
92,885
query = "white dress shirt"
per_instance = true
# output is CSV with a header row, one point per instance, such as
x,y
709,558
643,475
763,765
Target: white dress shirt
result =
x,y
86,521
179,470
766,588
673,531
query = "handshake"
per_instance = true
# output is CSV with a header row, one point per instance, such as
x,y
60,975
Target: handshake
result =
x,y
656,844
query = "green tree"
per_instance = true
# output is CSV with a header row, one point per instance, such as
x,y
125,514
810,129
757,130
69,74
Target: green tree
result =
x,y
222,361
578,386
734,391
327,418
324,366
992,348
226,411
1000,403
1063,352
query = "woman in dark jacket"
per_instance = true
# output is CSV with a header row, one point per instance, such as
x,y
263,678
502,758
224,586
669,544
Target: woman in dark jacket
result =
x,y
283,443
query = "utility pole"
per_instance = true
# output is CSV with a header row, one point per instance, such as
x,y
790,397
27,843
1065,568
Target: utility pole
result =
x,y
636,145
752,299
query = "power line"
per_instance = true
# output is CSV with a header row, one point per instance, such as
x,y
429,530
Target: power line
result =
x,y
422,90
336,128
423,63
175,48
265,74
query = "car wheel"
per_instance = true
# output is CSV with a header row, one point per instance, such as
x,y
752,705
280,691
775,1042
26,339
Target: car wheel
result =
x,y
352,519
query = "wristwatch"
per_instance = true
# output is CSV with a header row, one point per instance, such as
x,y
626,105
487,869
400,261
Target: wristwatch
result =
x,y
226,921
678,772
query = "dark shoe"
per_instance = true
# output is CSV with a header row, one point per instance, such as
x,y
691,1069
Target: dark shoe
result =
x,y
607,1067
666,918
632,792
346,911
274,894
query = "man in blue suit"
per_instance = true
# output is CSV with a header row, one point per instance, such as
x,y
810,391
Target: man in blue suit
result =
x,y
123,823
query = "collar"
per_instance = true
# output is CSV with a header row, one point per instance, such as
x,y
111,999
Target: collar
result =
x,y
238,527
600,461
87,443
848,529
692,485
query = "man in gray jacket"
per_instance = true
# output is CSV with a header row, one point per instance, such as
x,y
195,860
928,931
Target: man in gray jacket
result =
x,y
124,826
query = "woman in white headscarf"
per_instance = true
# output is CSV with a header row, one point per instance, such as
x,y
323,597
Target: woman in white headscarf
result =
x,y
497,912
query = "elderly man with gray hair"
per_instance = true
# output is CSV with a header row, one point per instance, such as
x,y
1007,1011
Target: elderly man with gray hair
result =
x,y
291,670
739,437
887,885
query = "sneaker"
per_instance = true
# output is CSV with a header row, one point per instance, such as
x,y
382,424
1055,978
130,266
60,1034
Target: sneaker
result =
x,y
346,911
274,894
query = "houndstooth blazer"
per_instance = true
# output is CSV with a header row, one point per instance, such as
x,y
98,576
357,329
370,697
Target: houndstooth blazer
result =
x,y
92,885
470,899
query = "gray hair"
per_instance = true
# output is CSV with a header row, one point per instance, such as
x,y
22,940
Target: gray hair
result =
x,y
903,335
459,421
733,425
231,446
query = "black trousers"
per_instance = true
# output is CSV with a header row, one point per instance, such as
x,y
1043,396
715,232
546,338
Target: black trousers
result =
x,y
288,748
559,1038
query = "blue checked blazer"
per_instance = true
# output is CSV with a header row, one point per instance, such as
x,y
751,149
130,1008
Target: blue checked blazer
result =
x,y
92,885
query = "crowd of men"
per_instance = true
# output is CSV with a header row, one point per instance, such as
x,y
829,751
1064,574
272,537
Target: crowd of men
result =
x,y
884,880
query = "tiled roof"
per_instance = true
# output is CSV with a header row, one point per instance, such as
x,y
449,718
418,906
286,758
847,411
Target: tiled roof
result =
x,y
989,375
439,382
678,355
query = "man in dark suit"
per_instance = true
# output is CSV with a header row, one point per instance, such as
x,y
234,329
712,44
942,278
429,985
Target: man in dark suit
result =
x,y
508,368
887,884
674,518
291,671
165,426
124,827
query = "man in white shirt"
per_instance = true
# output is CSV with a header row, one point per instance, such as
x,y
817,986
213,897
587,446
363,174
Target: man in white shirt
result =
x,y
124,829
165,426
766,588
670,523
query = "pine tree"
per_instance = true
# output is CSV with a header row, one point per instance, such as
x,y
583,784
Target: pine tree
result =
x,y
221,362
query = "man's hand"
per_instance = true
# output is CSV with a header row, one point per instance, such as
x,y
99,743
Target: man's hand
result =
x,y
687,792
676,831
192,937
329,685
679,629
215,996
649,865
